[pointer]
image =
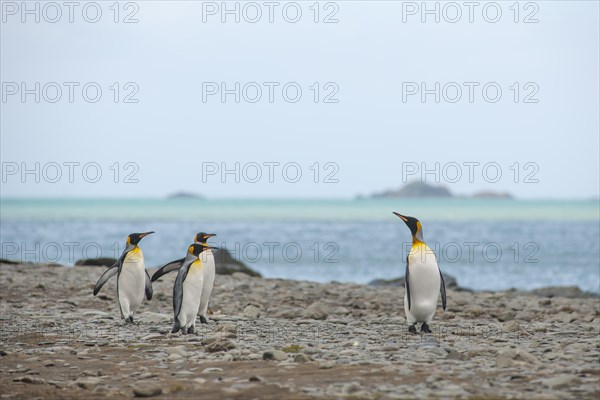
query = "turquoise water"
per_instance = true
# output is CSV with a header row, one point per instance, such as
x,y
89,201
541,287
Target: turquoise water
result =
x,y
339,210
485,244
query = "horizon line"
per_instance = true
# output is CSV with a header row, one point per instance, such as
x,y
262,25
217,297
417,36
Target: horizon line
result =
x,y
354,198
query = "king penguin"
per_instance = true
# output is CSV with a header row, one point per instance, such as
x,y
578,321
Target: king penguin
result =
x,y
208,259
133,280
423,280
187,291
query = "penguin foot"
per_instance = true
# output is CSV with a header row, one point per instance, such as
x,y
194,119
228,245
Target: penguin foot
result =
x,y
425,328
203,320
129,320
412,329
190,330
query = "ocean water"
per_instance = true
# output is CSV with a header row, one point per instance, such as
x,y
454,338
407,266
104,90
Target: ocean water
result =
x,y
485,244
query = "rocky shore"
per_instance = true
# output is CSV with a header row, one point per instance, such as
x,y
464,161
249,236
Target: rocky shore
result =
x,y
276,339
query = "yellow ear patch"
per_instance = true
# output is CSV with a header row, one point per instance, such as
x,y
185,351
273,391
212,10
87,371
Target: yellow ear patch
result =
x,y
191,249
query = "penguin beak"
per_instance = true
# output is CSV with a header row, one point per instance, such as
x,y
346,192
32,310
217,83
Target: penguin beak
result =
x,y
146,234
402,217
209,235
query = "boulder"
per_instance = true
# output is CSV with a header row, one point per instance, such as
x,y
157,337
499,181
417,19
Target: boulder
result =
x,y
560,381
316,310
88,383
220,345
227,265
30,379
251,312
301,358
96,262
147,389
571,292
449,280
514,358
275,355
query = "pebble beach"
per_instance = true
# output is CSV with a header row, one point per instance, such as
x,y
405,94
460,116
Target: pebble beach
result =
x,y
274,338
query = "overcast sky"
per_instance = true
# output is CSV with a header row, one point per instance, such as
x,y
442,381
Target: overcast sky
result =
x,y
369,130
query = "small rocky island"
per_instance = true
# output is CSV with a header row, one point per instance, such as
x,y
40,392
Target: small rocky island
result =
x,y
488,194
415,189
184,195
418,189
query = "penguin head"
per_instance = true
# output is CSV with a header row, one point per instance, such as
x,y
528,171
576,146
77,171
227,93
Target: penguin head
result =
x,y
413,224
197,248
202,237
134,238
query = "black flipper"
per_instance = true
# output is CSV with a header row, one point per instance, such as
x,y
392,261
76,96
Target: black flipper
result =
x,y
406,285
178,290
109,273
148,287
443,290
172,266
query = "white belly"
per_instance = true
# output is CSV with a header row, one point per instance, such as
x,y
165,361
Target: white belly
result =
x,y
425,282
131,284
192,292
208,259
